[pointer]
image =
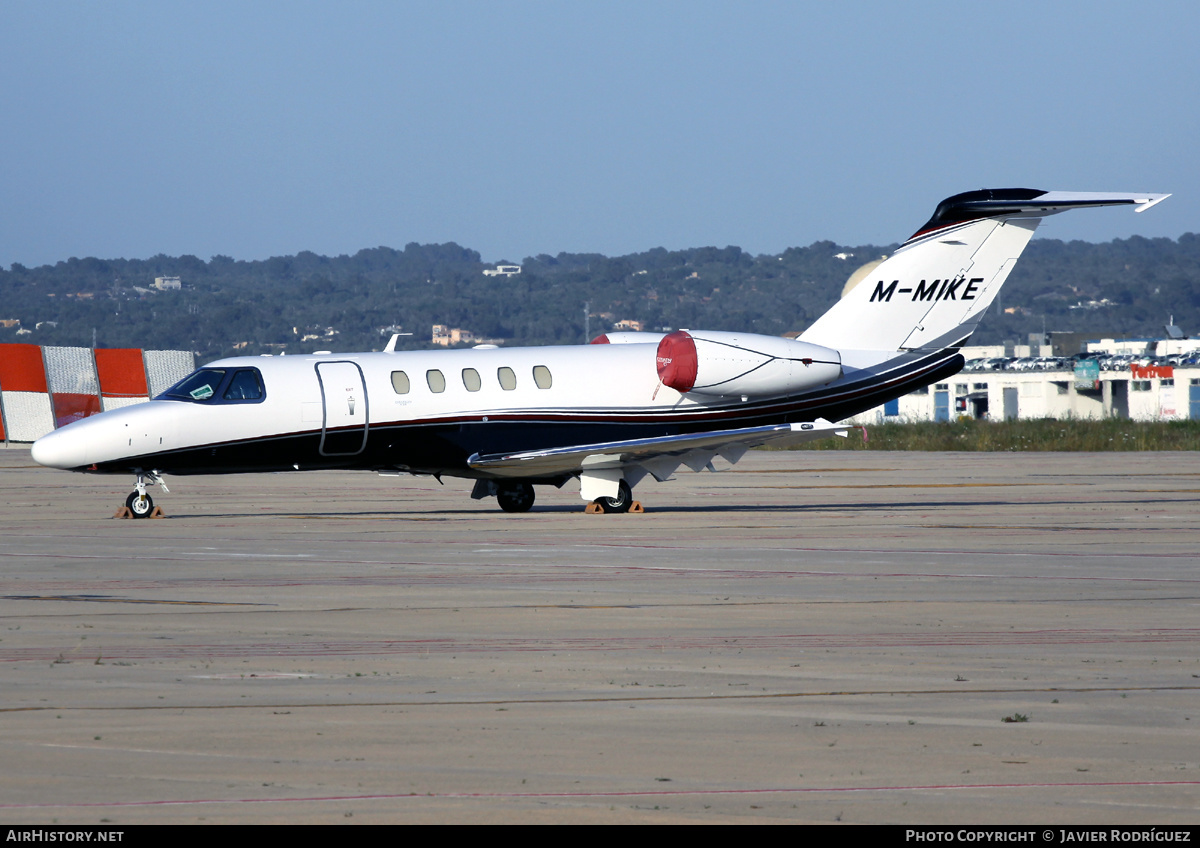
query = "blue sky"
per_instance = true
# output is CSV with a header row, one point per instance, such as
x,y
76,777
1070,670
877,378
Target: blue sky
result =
x,y
255,129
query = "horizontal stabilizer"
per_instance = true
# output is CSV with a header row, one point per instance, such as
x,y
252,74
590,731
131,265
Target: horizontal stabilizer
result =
x,y
1026,203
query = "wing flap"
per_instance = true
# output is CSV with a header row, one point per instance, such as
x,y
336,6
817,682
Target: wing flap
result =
x,y
654,453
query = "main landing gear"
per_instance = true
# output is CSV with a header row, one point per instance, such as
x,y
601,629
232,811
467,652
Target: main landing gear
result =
x,y
517,496
621,503
140,504
514,497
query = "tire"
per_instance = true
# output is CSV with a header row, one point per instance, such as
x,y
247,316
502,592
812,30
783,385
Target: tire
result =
x,y
515,497
140,506
621,503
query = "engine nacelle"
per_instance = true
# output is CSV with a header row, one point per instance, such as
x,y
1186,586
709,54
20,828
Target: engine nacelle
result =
x,y
627,337
715,363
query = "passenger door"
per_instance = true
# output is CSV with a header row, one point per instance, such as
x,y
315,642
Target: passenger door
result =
x,y
344,398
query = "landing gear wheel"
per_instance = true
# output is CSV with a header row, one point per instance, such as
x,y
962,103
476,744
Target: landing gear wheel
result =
x,y
621,503
515,497
140,505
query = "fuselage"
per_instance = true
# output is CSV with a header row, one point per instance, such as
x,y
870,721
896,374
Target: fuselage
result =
x,y
429,411
609,414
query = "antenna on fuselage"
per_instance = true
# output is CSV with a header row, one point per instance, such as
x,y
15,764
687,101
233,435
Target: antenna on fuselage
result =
x,y
391,345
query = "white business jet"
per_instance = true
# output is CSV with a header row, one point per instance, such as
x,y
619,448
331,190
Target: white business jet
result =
x,y
608,413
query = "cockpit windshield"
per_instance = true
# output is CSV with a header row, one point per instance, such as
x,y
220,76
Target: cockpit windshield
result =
x,y
201,385
219,385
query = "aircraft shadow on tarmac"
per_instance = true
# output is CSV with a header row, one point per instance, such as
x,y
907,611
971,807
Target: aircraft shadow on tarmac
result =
x,y
670,509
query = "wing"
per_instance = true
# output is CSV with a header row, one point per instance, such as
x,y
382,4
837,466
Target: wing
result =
x,y
600,466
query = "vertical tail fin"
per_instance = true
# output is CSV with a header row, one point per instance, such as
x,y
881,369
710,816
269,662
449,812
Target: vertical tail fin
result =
x,y
933,291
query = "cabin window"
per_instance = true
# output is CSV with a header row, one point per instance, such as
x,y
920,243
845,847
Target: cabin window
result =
x,y
436,381
541,376
507,378
471,379
245,385
400,382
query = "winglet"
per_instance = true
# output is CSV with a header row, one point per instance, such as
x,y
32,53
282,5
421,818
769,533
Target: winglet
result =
x,y
1151,201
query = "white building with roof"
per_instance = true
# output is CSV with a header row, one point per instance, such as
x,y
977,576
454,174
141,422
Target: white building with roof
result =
x,y
1132,390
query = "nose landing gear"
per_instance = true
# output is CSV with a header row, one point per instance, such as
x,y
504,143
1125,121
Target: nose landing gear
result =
x,y
139,504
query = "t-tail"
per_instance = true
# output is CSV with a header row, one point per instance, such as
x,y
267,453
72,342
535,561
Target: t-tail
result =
x,y
933,291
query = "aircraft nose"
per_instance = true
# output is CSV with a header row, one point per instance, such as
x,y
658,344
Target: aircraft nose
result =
x,y
61,449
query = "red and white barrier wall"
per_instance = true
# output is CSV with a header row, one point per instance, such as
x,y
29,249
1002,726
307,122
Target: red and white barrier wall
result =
x,y
43,388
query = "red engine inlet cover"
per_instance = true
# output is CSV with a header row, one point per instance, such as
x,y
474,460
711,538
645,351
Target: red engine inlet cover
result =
x,y
677,361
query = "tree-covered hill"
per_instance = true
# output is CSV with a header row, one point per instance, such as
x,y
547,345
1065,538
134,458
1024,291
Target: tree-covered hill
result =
x,y
1125,287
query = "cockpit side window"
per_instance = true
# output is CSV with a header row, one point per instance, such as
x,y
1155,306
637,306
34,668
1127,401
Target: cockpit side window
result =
x,y
246,384
199,386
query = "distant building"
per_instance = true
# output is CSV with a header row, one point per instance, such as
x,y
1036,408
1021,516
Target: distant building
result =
x,y
1064,390
165,283
503,271
315,332
447,336
627,324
